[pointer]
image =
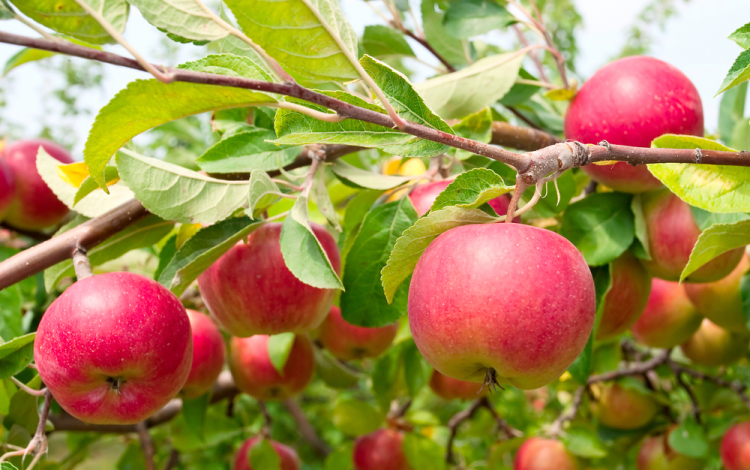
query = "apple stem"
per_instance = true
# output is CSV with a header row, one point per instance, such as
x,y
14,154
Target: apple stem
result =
x,y
27,389
81,263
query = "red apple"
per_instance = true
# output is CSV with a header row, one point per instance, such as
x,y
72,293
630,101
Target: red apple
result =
x,y
624,408
114,348
672,233
208,355
250,291
625,301
7,188
380,450
347,342
632,101
712,345
424,196
287,455
544,454
669,318
506,300
449,388
735,447
656,454
720,301
35,206
255,374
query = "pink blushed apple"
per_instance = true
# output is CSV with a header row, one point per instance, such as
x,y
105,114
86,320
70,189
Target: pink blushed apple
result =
x,y
114,348
7,188
35,206
626,299
348,342
623,408
735,447
380,450
669,318
506,301
208,355
449,388
712,345
249,290
632,101
288,457
424,195
544,454
656,454
255,374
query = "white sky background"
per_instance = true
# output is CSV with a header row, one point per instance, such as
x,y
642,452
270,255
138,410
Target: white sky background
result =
x,y
694,41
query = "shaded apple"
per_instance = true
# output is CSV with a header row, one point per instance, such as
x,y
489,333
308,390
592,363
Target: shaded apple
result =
x,y
255,374
114,348
287,456
735,447
449,388
721,301
669,318
623,408
656,454
7,188
208,355
508,301
672,233
424,195
712,345
249,290
632,101
347,342
544,454
380,450
35,206
626,299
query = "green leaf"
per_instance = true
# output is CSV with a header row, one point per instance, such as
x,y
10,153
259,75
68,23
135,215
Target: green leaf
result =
x,y
279,348
714,241
5,14
297,129
145,104
11,312
476,126
363,302
641,231
582,366
355,417
468,18
410,246
94,204
232,66
416,370
407,103
745,295
385,375
583,442
742,36
341,458
184,18
358,207
263,456
731,111
67,17
194,410
738,73
601,226
144,233
450,48
422,452
520,92
176,193
7,390
472,189
88,185
16,354
322,200
263,193
473,88
202,249
165,255
689,439
303,253
24,410
333,372
715,188
706,219
301,36
385,43
24,56
7,466
366,179
245,152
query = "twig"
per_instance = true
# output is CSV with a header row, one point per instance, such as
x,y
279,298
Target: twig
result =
x,y
736,386
557,426
638,368
423,42
173,460
27,389
681,382
147,445
265,431
398,411
503,425
81,263
306,430
532,55
464,415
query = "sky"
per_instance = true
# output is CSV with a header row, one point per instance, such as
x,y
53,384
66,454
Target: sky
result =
x,y
694,41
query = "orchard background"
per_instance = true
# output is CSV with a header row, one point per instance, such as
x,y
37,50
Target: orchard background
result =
x,y
288,164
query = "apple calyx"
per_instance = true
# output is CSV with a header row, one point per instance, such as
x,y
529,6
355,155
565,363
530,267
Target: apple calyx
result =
x,y
490,381
115,384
